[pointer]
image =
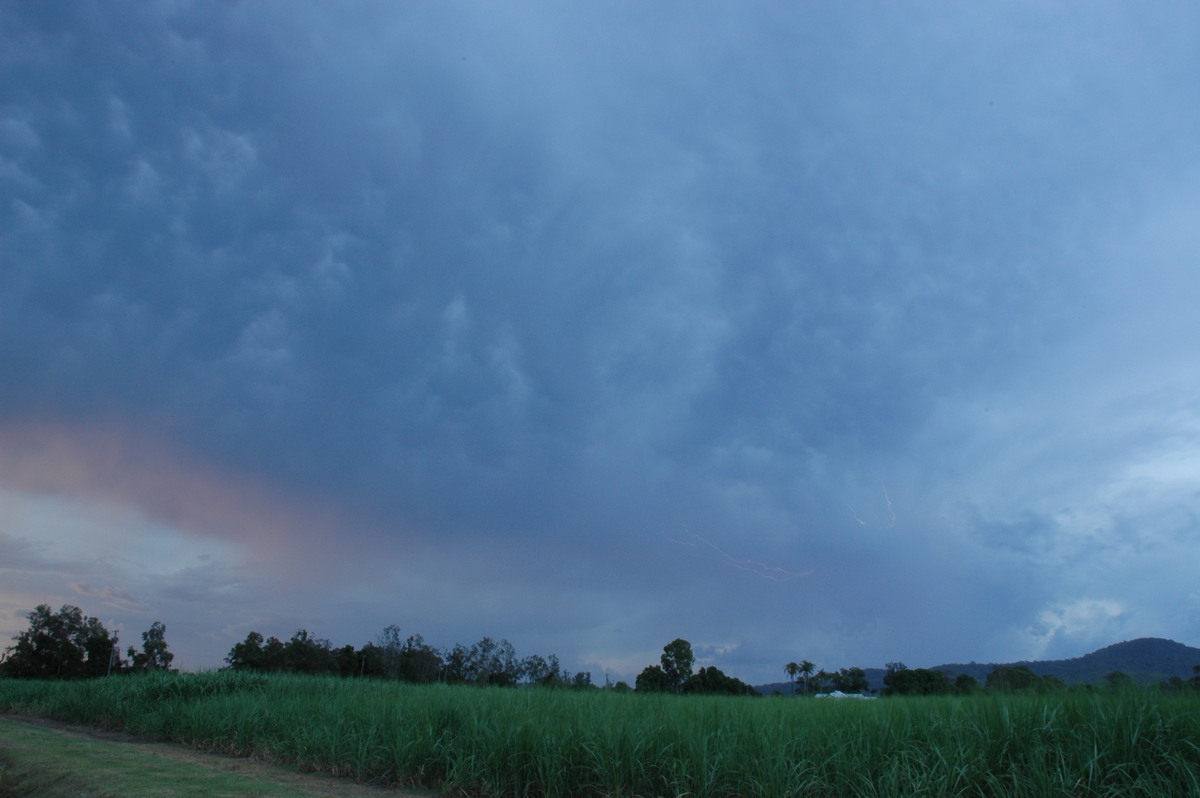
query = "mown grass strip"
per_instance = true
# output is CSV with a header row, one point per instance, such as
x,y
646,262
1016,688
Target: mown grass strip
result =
x,y
52,764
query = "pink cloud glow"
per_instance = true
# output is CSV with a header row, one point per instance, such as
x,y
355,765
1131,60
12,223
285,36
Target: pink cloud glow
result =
x,y
113,465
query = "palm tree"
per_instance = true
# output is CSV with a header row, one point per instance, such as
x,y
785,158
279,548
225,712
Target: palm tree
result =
x,y
807,668
792,669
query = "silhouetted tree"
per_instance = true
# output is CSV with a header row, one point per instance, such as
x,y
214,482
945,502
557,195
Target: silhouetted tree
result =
x,y
456,666
712,681
102,657
535,669
247,655
307,654
851,680
652,679
677,661
496,663
345,661
915,681
275,655
485,663
806,670
389,650
793,671
154,655
965,684
62,645
419,662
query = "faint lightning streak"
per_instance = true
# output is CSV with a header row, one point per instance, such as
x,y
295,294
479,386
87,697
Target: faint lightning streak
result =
x,y
891,509
774,573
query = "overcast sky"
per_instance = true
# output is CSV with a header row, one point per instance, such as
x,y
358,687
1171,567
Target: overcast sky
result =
x,y
848,332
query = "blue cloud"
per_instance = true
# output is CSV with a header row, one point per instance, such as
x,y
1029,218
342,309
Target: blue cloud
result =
x,y
837,290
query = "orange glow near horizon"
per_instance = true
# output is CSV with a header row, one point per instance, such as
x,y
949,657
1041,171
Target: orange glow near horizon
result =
x,y
117,467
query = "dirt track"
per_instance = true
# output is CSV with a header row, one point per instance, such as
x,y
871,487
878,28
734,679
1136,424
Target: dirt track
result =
x,y
287,779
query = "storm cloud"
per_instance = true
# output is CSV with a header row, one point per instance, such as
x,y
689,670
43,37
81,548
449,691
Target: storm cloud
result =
x,y
853,334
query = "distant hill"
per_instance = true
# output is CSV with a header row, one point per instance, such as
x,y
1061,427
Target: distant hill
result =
x,y
1147,660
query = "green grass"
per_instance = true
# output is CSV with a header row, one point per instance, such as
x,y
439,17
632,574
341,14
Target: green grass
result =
x,y
52,764
505,742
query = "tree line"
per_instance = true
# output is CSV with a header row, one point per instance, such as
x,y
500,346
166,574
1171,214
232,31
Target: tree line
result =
x,y
409,659
899,679
70,645
803,675
674,674
488,662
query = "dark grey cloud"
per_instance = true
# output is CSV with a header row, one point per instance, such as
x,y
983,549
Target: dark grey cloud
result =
x,y
540,293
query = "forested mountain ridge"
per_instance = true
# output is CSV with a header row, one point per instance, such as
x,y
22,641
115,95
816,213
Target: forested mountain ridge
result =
x,y
1146,660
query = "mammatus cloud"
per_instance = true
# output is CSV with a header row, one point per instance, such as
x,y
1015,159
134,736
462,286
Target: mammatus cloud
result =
x,y
807,332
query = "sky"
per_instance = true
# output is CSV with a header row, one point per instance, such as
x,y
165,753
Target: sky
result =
x,y
853,332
